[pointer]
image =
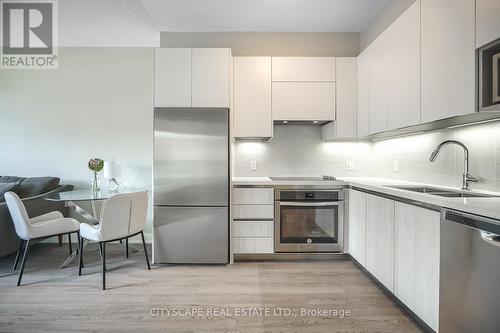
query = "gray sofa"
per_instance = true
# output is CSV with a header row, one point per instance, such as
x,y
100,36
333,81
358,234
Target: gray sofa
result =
x,y
32,192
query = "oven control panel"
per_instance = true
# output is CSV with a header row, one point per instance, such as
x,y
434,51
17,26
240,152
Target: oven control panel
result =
x,y
305,195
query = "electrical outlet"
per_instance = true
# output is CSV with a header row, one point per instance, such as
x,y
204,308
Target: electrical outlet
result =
x,y
349,165
253,165
395,165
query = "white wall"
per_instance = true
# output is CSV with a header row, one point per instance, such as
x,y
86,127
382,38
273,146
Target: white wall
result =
x,y
383,19
297,150
97,104
104,23
340,44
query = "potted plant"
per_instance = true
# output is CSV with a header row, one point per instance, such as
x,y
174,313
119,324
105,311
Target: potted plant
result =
x,y
96,165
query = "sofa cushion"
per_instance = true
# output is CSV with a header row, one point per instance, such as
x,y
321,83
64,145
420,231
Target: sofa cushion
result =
x,y
6,187
11,179
30,187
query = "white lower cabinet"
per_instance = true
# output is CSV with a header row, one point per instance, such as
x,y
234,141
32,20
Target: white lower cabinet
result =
x,y
254,245
253,236
357,226
253,220
253,228
249,212
417,261
253,196
398,243
380,239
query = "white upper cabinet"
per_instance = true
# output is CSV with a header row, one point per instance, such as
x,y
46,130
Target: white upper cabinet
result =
x,y
447,58
363,91
211,77
345,124
422,67
172,77
303,69
252,97
378,84
303,88
192,77
487,21
303,100
389,77
403,69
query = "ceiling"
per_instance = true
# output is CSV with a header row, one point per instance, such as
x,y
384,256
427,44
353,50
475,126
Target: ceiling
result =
x,y
263,15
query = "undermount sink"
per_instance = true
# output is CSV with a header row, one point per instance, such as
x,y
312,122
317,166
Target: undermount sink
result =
x,y
442,192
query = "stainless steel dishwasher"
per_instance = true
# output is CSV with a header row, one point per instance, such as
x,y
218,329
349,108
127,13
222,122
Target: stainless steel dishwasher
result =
x,y
470,274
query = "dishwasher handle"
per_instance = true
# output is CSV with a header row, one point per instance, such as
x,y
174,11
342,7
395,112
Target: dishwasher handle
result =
x,y
489,228
492,238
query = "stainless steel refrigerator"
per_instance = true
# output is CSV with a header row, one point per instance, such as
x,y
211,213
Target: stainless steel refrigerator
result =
x,y
191,185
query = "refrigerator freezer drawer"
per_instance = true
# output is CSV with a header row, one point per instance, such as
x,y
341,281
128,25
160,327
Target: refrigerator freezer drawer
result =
x,y
191,235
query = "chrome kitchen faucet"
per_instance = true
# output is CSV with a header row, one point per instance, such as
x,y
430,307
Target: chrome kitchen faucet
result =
x,y
467,177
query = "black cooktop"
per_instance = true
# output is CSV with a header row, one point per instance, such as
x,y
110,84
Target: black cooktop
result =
x,y
324,178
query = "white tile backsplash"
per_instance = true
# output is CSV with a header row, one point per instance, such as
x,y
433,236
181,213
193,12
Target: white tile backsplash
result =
x,y
297,150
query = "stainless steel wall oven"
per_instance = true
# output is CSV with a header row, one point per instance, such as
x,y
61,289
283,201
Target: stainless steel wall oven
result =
x,y
309,220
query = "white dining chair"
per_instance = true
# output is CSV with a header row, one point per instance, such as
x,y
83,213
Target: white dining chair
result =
x,y
122,216
43,226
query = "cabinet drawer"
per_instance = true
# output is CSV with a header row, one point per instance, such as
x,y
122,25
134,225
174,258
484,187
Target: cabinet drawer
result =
x,y
253,228
303,69
253,212
303,101
253,245
253,196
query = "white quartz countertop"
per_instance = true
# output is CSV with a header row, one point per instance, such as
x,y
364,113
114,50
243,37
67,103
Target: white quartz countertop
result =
x,y
259,181
489,207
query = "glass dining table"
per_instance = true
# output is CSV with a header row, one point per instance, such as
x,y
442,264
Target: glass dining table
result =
x,y
77,202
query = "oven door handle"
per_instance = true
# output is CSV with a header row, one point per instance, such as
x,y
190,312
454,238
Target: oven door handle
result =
x,y
310,204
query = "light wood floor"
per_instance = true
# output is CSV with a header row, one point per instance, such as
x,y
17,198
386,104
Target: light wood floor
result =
x,y
57,300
